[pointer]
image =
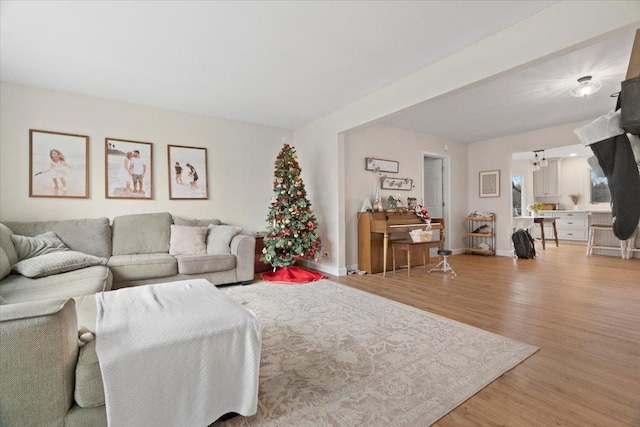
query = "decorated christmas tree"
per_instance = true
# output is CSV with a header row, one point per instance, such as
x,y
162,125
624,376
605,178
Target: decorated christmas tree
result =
x,y
291,225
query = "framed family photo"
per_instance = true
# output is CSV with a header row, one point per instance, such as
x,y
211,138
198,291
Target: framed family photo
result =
x,y
128,169
58,164
187,172
490,184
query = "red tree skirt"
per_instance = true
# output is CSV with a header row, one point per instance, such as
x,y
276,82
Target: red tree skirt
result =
x,y
292,275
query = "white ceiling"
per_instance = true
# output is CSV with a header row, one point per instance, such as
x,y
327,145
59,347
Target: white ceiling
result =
x,y
285,64
534,98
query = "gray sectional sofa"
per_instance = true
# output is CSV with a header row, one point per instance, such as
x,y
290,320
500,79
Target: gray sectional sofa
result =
x,y
47,378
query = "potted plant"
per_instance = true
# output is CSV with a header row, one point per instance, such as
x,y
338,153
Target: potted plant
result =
x,y
534,208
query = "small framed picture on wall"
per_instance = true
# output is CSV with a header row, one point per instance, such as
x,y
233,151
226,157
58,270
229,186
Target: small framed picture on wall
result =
x,y
58,164
490,184
187,173
128,169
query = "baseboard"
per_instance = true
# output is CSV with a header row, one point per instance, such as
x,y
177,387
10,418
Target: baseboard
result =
x,y
505,253
328,269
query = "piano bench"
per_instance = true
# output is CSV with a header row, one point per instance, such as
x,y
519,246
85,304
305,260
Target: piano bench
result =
x,y
408,245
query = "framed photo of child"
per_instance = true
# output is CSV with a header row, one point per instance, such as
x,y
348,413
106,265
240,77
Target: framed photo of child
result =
x,y
187,173
128,169
58,164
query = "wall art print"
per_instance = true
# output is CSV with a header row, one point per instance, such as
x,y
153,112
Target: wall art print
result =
x,y
58,164
128,169
187,173
490,183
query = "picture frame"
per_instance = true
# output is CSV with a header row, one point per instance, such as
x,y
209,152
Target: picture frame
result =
x,y
191,182
128,169
58,164
489,183
381,165
404,184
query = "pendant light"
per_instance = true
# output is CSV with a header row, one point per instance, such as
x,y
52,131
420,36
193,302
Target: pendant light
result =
x,y
535,166
544,162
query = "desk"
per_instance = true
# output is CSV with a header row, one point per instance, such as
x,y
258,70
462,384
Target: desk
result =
x,y
548,219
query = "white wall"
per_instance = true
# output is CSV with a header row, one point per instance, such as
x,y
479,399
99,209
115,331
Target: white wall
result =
x,y
240,157
495,154
574,179
535,39
406,147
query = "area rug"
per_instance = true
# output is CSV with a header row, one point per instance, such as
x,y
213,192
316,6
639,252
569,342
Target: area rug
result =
x,y
336,356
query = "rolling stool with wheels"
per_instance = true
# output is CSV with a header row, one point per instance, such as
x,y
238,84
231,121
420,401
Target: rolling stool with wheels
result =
x,y
443,265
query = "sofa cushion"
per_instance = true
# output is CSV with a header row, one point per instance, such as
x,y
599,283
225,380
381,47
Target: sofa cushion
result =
x,y
198,264
86,281
45,243
219,239
90,236
7,244
141,234
55,263
89,388
142,266
186,240
177,220
5,266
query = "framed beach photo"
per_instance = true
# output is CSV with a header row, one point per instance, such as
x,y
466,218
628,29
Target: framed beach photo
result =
x,y
128,169
187,173
58,164
490,184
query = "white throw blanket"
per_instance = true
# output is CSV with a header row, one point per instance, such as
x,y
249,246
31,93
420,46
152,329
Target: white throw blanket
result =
x,y
176,354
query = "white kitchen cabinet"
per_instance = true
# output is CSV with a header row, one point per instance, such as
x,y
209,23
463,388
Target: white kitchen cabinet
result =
x,y
546,181
571,225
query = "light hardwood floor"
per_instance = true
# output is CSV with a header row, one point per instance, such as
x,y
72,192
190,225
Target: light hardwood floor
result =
x,y
583,313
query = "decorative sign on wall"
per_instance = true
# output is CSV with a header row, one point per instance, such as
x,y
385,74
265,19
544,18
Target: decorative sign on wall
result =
x,y
405,184
381,165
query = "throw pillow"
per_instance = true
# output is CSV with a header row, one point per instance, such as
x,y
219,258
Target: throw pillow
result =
x,y
54,263
187,240
5,265
178,220
219,239
7,244
45,243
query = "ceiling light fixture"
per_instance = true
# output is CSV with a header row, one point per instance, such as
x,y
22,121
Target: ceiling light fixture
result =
x,y
535,166
585,87
544,162
537,163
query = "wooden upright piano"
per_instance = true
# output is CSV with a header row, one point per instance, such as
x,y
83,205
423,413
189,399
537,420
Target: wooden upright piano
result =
x,y
375,229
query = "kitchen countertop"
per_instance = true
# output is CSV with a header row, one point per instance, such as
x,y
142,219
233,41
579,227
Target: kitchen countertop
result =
x,y
589,211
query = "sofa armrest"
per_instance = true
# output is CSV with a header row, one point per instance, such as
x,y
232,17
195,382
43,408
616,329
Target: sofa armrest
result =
x,y
38,355
243,247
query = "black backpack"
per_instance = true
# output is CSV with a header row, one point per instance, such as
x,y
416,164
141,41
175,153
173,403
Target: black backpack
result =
x,y
523,244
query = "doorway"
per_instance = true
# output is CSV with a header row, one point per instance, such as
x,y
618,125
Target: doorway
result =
x,y
435,196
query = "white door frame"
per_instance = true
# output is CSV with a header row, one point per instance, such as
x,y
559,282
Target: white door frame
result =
x,y
446,190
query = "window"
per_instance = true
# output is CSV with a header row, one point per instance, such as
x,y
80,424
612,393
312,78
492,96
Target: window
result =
x,y
516,194
599,189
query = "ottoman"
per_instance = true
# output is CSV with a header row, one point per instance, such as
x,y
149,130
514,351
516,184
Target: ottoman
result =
x,y
177,353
